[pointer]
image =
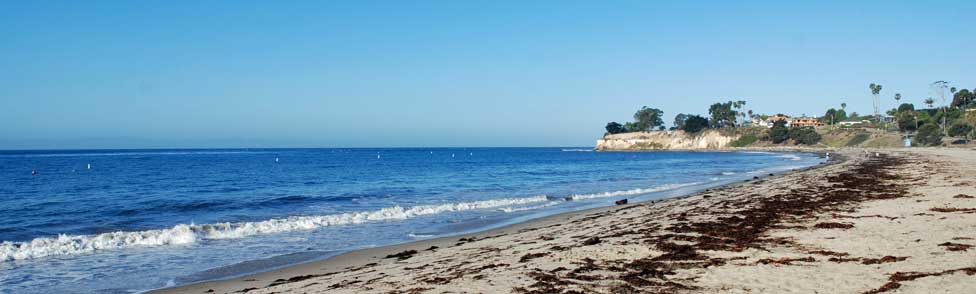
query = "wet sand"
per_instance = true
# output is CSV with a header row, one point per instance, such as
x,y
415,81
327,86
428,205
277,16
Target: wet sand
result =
x,y
903,221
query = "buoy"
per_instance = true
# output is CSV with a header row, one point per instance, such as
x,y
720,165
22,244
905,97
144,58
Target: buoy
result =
x,y
377,156
276,159
89,166
34,172
452,155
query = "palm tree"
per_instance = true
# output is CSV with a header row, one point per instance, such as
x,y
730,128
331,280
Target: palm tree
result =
x,y
875,90
940,88
929,101
843,105
897,97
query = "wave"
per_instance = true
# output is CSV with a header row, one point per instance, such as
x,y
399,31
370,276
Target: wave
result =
x,y
578,150
534,207
191,233
789,157
129,153
630,192
182,234
727,173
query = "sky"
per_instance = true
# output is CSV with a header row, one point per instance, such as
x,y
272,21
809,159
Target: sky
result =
x,y
214,74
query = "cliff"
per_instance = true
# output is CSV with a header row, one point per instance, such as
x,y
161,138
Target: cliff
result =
x,y
665,140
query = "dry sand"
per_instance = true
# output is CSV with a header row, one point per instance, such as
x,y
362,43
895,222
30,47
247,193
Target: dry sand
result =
x,y
901,222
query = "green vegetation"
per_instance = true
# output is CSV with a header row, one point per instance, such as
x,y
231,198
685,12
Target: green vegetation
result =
x,y
858,139
805,136
928,124
960,129
694,124
928,135
725,115
779,133
647,119
615,128
744,140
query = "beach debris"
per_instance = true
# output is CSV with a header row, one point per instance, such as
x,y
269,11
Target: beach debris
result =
x,y
432,248
956,246
828,253
831,225
894,279
297,279
531,256
403,255
885,259
592,241
953,209
785,260
620,202
962,196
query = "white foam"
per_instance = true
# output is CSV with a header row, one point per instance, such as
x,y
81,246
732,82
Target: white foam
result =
x,y
515,209
727,173
789,157
129,153
577,150
637,191
187,234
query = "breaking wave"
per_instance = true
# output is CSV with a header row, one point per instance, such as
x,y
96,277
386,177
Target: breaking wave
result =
x,y
790,157
190,233
630,192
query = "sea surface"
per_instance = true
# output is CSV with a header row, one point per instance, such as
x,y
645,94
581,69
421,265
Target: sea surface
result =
x,y
124,221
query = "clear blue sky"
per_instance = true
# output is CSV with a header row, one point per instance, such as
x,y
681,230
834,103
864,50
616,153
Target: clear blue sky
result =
x,y
158,74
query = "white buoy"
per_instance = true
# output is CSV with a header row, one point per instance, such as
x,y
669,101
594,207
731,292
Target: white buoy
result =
x,y
276,159
377,156
89,166
452,155
471,154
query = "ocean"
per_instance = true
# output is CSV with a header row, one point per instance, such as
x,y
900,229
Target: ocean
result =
x,y
123,221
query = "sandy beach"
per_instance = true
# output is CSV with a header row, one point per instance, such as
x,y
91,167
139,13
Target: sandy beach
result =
x,y
871,221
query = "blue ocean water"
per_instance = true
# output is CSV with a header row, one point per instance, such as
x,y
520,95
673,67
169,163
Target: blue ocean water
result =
x,y
119,221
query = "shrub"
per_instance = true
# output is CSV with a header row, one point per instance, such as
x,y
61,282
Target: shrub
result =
x,y
744,140
779,133
805,136
960,130
858,139
928,135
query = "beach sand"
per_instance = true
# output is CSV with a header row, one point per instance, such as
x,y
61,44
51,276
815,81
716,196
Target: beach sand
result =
x,y
901,222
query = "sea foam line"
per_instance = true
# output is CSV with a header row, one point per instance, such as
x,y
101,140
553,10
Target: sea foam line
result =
x,y
630,192
190,233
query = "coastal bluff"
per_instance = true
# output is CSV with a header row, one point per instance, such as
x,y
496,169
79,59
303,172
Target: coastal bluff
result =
x,y
665,140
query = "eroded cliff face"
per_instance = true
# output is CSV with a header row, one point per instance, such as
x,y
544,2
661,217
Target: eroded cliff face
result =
x,y
665,140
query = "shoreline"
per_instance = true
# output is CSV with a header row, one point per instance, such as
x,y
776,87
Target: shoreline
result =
x,y
359,258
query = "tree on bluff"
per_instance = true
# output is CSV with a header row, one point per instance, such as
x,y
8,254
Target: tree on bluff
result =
x,y
615,128
647,119
779,133
694,124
